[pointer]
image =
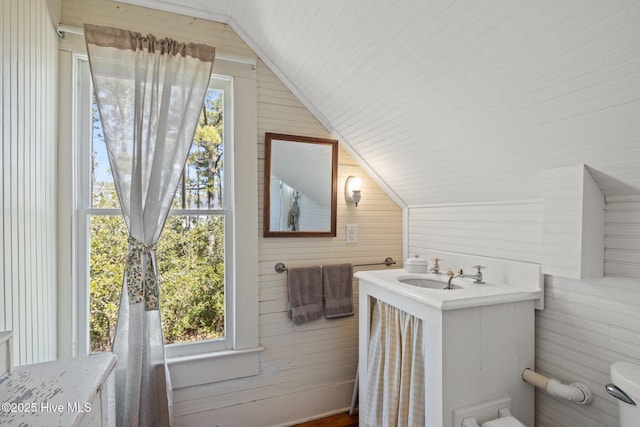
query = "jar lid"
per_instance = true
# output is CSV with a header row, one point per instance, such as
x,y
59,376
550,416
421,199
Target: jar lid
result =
x,y
416,260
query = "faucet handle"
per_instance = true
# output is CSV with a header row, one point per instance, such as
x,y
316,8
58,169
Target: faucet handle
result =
x,y
479,273
436,266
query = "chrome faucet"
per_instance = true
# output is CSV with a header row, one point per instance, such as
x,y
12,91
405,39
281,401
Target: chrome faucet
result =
x,y
451,276
477,277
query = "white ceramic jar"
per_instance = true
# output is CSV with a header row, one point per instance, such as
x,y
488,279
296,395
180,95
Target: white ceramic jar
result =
x,y
416,265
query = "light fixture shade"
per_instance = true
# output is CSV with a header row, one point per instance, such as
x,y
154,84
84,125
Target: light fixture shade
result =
x,y
352,190
356,196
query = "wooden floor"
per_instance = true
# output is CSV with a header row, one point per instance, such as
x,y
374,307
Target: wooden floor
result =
x,y
340,420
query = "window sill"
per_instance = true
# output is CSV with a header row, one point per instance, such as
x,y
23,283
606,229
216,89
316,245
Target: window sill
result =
x,y
187,371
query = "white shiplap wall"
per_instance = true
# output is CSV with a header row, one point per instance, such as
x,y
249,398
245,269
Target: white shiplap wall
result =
x,y
586,324
622,239
28,81
510,230
305,371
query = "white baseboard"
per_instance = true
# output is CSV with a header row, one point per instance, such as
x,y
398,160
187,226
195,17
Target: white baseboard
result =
x,y
284,410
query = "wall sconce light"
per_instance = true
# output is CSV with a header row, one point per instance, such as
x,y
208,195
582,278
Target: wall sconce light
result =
x,y
352,190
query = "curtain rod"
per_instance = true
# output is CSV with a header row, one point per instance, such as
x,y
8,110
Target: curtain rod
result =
x,y
63,29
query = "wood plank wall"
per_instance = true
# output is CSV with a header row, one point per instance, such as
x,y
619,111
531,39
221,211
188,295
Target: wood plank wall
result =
x,y
28,81
308,370
305,371
622,239
586,324
510,230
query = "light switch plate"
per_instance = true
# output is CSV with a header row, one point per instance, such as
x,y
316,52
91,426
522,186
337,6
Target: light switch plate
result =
x,y
352,234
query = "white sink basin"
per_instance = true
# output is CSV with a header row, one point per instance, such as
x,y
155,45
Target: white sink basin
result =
x,y
430,284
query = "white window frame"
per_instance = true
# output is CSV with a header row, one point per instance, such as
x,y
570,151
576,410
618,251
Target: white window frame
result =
x,y
189,363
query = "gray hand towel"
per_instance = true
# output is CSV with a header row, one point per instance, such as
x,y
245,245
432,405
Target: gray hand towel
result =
x,y
338,290
304,289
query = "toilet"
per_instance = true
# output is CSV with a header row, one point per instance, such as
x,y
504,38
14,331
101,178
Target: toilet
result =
x,y
626,388
505,419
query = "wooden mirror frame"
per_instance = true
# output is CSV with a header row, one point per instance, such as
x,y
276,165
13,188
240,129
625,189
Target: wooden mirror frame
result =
x,y
333,143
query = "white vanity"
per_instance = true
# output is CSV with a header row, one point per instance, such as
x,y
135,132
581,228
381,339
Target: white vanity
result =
x,y
478,338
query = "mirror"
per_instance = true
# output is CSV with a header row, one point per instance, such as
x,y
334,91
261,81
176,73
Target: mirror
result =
x,y
300,182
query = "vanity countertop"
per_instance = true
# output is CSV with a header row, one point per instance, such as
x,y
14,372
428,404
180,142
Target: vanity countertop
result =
x,y
468,295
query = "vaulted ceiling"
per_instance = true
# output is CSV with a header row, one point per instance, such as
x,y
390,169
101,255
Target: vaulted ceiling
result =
x,y
458,101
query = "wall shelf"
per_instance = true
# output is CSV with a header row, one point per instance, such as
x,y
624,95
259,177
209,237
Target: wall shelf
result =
x,y
573,224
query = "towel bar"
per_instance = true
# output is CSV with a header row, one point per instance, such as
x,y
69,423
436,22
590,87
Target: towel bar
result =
x,y
388,261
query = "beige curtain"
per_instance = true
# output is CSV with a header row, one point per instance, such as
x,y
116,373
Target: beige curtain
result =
x,y
149,93
396,380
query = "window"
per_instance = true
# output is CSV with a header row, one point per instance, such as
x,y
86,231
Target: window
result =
x,y
200,283
192,247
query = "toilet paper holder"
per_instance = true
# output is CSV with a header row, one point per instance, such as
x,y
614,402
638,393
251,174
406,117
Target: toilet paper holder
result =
x,y
576,392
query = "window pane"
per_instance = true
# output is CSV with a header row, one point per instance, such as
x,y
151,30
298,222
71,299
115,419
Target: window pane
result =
x,y
106,266
202,183
191,264
103,194
192,285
